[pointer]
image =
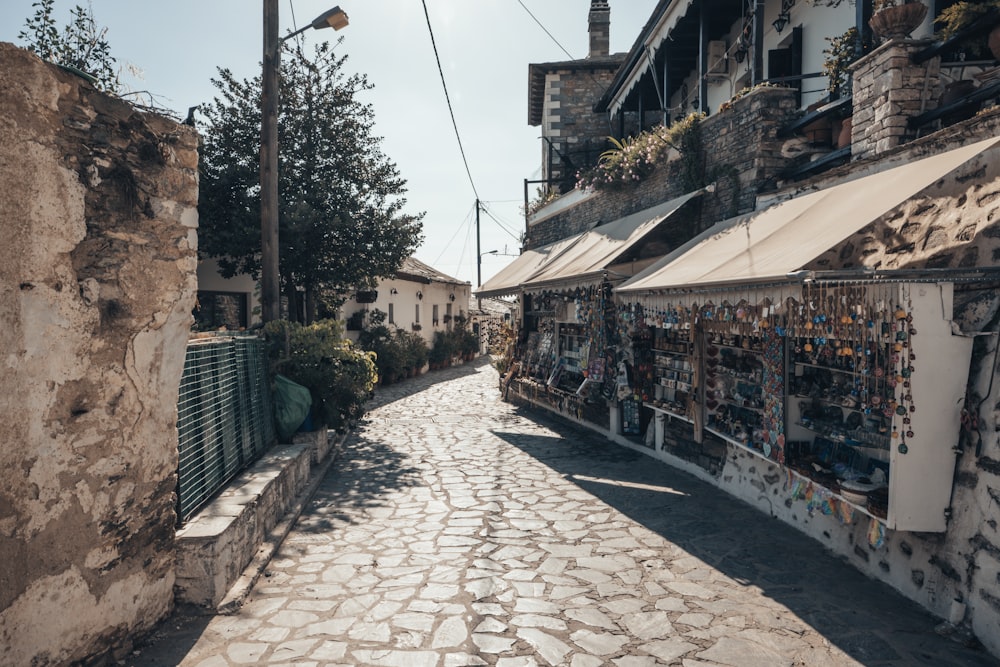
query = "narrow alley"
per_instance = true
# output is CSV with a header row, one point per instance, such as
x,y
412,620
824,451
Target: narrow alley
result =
x,y
456,529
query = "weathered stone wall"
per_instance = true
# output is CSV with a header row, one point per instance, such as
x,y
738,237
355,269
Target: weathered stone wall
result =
x,y
953,224
573,134
97,283
740,142
888,90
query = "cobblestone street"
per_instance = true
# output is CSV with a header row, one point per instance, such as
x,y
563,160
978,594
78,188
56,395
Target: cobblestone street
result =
x,y
456,529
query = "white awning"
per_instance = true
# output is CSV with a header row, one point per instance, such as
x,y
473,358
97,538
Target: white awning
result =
x,y
511,277
770,244
583,257
597,249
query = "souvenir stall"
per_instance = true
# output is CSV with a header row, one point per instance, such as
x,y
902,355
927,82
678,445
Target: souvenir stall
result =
x,y
855,387
852,380
563,362
572,359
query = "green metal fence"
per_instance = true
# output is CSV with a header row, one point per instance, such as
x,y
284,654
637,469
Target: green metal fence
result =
x,y
225,419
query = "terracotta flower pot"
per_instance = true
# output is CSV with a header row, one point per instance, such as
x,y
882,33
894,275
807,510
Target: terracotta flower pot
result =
x,y
844,137
899,21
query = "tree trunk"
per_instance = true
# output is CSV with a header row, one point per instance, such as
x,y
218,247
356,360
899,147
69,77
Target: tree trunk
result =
x,y
293,301
310,304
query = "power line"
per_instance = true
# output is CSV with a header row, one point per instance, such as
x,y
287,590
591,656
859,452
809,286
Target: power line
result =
x,y
468,220
451,111
501,224
545,30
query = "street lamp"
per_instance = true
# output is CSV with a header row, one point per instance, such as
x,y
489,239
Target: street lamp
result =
x,y
479,270
479,265
269,272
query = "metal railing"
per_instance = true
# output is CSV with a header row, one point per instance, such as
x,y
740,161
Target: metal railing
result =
x,y
225,419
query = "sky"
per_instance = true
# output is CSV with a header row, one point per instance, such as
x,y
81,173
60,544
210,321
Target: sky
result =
x,y
485,47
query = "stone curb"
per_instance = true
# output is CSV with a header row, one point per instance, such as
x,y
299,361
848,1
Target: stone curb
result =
x,y
241,589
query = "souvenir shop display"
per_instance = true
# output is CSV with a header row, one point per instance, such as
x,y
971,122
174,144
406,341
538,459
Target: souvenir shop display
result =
x,y
734,393
831,380
673,363
574,357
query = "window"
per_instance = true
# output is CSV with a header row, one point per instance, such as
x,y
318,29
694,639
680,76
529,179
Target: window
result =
x,y
216,310
416,315
392,316
434,316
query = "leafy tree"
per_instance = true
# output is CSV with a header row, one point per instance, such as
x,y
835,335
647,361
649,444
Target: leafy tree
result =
x,y
81,44
340,199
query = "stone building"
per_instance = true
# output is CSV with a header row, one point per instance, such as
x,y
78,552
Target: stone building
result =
x,y
560,100
797,302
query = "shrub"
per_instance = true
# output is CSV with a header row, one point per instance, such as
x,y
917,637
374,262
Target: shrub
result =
x,y
843,51
339,376
414,349
396,351
961,15
443,348
466,341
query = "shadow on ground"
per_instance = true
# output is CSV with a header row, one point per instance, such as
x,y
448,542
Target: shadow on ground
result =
x,y
171,640
366,472
387,394
865,618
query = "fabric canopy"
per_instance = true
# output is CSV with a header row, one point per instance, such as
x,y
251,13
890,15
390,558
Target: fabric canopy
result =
x,y
779,240
509,279
600,247
580,257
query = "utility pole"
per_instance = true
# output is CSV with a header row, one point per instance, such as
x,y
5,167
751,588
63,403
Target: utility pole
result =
x,y
270,278
479,260
269,271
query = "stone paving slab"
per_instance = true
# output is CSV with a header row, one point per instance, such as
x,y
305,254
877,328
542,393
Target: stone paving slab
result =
x,y
456,529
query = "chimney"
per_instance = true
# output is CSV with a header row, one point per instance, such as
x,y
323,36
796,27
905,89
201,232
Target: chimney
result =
x,y
600,28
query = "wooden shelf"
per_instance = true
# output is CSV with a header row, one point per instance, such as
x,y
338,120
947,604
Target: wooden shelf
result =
x,y
669,413
860,445
737,347
759,411
673,352
828,402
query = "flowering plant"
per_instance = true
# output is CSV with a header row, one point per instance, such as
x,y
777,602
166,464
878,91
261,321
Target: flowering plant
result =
x,y
634,158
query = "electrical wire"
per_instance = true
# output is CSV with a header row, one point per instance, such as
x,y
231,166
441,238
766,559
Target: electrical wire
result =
x,y
468,217
545,30
500,223
451,111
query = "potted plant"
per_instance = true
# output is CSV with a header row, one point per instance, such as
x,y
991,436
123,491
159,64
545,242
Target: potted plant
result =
x,y
844,49
896,19
961,15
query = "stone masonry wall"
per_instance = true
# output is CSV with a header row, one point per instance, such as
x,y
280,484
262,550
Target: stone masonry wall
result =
x,y
741,140
888,90
572,130
97,283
